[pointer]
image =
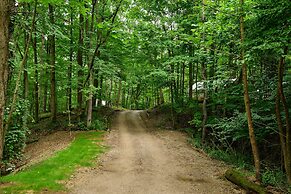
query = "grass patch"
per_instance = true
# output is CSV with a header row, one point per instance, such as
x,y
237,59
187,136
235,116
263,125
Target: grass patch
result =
x,y
48,174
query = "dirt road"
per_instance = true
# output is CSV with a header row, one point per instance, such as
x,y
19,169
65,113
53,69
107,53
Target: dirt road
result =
x,y
145,161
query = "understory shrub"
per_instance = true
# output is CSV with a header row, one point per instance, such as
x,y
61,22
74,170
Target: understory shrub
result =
x,y
15,137
14,145
97,124
274,177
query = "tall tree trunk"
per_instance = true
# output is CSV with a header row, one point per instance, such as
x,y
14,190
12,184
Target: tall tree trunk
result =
x,y
4,54
127,97
100,91
284,137
282,134
123,98
23,62
69,89
161,96
110,93
91,79
25,73
52,47
90,102
44,73
196,80
204,78
190,81
80,62
36,82
95,83
118,93
183,83
45,90
247,99
177,87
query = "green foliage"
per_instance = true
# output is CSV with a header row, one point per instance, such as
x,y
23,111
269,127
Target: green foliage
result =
x,y
145,61
230,129
231,157
196,121
274,177
48,174
14,145
98,125
15,138
235,129
196,141
82,126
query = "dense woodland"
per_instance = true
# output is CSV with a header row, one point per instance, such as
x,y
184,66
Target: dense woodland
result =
x,y
222,68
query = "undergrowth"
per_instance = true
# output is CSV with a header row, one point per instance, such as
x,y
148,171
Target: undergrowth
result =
x,y
230,157
48,174
270,176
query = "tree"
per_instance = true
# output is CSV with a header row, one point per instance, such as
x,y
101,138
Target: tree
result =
x,y
247,98
284,134
80,61
4,55
36,84
204,77
52,52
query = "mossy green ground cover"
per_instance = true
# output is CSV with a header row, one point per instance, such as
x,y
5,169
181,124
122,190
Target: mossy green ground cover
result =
x,y
48,174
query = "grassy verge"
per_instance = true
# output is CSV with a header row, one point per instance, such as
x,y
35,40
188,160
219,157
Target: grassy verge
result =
x,y
49,174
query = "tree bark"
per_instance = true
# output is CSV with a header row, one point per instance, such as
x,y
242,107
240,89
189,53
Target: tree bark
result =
x,y
204,78
190,81
25,74
247,100
161,96
90,102
45,90
91,79
100,91
109,93
69,90
118,93
123,97
183,83
36,82
80,62
52,49
284,136
23,62
4,55
43,74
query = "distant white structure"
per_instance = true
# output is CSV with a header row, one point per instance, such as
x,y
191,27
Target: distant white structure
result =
x,y
211,84
198,85
215,83
103,102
